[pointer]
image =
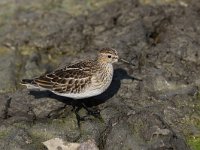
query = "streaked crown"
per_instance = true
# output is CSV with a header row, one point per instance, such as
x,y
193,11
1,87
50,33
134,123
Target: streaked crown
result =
x,y
108,55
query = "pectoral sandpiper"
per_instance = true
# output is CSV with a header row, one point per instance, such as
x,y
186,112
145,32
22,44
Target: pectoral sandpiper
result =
x,y
81,80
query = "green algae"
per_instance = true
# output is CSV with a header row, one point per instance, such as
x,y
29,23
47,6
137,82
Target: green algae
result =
x,y
3,134
81,7
194,143
73,7
138,127
163,2
194,120
193,139
37,139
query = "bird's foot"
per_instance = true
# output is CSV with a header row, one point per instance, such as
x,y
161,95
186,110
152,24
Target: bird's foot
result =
x,y
90,111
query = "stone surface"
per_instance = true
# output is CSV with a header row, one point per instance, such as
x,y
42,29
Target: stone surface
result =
x,y
160,37
58,143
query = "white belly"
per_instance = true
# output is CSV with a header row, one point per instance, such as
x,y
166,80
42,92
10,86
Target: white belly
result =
x,y
86,94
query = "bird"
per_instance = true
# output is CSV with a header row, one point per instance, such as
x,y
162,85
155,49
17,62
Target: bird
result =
x,y
81,80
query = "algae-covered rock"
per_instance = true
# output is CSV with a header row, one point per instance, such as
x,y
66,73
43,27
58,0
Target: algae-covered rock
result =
x,y
154,105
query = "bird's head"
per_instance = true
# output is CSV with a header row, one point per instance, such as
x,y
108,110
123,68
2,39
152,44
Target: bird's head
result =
x,y
108,55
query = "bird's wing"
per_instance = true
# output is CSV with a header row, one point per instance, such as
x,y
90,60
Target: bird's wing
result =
x,y
73,78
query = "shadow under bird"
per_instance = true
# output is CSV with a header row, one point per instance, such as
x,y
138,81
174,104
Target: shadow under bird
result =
x,y
81,80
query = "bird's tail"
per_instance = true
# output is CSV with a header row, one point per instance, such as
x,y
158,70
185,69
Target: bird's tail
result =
x,y
26,81
29,83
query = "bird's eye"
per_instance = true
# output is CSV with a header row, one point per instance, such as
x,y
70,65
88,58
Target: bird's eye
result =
x,y
109,56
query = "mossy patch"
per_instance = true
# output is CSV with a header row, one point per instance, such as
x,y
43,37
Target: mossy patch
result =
x,y
161,2
38,136
50,129
193,121
138,127
3,134
73,7
194,143
63,123
81,7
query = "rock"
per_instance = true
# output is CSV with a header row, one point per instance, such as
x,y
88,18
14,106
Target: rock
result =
x,y
14,138
8,72
58,143
5,103
158,112
124,139
88,145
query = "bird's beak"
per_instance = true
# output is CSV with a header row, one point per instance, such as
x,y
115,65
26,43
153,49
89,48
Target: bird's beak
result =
x,y
125,61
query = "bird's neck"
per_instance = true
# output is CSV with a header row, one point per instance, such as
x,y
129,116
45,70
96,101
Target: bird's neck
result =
x,y
104,65
106,68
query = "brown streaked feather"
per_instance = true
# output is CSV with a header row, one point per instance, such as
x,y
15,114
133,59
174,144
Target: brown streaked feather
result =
x,y
73,78
82,64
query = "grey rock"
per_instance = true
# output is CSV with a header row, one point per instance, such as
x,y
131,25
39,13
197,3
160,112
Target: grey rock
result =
x,y
58,143
7,73
152,113
5,103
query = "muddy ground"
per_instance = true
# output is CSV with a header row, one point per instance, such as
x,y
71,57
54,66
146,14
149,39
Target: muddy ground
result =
x,y
161,37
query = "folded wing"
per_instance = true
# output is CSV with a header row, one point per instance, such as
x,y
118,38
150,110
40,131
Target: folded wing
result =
x,y
71,79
